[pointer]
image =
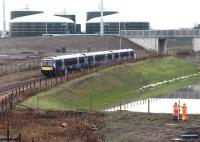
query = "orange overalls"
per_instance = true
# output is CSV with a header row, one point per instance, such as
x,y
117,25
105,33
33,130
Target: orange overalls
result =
x,y
175,111
184,112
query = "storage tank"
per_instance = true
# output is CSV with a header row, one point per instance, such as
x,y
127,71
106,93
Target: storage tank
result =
x,y
39,24
114,23
94,14
21,13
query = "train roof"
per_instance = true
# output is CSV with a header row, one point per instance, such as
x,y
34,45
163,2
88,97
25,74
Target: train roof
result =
x,y
85,54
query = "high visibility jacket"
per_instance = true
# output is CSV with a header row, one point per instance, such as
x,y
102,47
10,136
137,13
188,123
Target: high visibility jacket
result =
x,y
184,113
175,111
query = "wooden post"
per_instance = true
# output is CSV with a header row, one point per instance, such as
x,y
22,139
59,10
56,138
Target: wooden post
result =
x,y
90,104
19,90
45,83
34,86
29,66
23,89
67,76
61,78
19,138
8,131
148,106
37,102
56,79
40,84
120,105
51,82
2,105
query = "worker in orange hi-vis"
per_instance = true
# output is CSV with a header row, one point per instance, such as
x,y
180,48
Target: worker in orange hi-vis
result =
x,y
184,112
175,111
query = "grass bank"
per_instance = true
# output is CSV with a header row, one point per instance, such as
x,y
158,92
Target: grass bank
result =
x,y
110,85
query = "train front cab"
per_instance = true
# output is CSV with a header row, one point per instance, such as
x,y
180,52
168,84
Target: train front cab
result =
x,y
47,67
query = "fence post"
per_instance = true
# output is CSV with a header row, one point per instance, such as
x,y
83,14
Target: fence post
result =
x,y
40,83
67,76
148,106
90,104
61,78
19,138
120,105
8,131
51,82
2,104
56,79
37,102
29,66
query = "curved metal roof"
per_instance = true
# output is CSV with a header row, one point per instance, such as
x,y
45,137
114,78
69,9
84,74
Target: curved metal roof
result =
x,y
112,18
41,18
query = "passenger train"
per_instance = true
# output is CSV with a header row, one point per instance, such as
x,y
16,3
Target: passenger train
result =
x,y
63,63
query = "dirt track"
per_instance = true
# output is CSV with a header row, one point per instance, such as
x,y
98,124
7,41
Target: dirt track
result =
x,y
97,127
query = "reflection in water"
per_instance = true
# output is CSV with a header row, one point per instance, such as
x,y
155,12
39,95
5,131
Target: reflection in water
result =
x,y
190,92
189,95
161,105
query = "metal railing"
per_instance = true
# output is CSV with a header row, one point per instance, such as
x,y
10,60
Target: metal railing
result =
x,y
161,33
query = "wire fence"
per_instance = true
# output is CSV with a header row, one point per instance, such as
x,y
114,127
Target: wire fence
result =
x,y
19,66
21,91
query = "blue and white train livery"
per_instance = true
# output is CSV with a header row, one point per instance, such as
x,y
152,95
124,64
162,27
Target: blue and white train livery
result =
x,y
63,63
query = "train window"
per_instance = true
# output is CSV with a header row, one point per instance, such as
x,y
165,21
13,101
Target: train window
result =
x,y
90,59
99,57
70,61
58,63
47,63
131,53
124,54
109,56
116,55
81,60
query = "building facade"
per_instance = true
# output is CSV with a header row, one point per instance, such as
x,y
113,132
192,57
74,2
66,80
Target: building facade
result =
x,y
39,24
113,24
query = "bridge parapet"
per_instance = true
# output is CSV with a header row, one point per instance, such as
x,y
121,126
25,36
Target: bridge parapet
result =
x,y
160,33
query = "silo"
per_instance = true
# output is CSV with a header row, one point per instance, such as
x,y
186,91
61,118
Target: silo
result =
x,y
21,13
39,24
114,23
94,14
71,17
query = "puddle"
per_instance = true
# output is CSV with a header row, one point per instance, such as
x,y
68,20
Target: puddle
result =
x,y
160,105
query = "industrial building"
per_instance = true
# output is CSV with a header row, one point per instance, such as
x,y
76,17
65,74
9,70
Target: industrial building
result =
x,y
94,14
21,13
77,27
39,24
114,23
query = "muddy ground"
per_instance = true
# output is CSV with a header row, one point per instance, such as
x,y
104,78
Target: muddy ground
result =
x,y
96,127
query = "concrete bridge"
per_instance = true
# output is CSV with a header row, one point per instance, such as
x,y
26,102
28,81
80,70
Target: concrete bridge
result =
x,y
158,39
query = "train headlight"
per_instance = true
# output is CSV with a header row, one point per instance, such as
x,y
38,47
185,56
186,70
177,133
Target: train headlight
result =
x,y
47,68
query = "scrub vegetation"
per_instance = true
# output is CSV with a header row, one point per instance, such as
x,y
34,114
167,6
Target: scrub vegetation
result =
x,y
111,86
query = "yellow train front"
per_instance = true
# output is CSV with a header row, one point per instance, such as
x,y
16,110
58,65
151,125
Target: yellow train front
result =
x,y
48,67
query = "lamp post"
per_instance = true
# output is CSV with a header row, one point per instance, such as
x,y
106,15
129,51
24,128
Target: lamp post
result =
x,y
4,20
101,24
46,30
120,39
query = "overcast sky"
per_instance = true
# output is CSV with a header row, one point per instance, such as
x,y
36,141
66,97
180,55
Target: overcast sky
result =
x,y
162,14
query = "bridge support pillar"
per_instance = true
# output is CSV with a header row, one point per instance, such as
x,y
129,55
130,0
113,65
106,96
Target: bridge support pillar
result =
x,y
196,44
162,46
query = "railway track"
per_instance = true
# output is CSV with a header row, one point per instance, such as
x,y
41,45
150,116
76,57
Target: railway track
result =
x,y
15,93
8,88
